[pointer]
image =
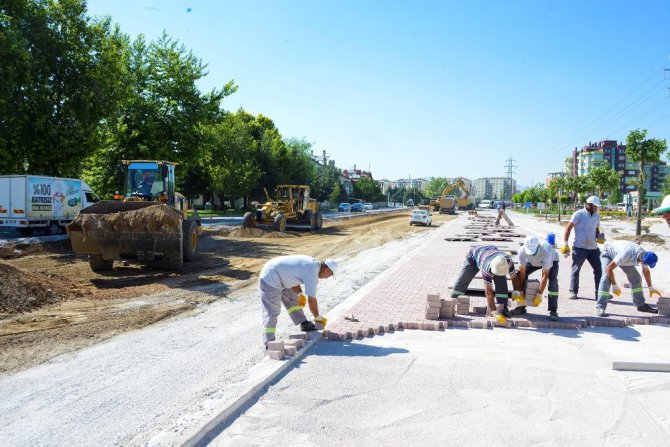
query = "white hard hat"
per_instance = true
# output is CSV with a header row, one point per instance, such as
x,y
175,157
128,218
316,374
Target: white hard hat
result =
x,y
499,265
594,200
665,206
332,265
530,245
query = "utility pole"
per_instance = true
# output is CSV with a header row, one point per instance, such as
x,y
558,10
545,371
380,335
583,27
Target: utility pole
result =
x,y
509,171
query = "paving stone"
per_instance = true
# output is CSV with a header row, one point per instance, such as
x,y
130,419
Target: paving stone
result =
x,y
276,355
275,345
290,350
298,343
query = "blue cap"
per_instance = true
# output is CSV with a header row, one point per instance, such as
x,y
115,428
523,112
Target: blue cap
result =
x,y
650,259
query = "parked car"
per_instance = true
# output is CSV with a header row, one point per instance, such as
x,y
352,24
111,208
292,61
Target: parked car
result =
x,y
368,206
420,217
343,207
357,208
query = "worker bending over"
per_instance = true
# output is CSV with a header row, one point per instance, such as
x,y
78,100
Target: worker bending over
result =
x,y
626,255
280,282
536,255
586,223
494,266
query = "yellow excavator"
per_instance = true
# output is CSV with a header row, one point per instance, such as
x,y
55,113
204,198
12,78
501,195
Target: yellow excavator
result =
x,y
149,222
447,202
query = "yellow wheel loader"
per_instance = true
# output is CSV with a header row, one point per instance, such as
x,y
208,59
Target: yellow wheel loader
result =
x,y
292,207
149,223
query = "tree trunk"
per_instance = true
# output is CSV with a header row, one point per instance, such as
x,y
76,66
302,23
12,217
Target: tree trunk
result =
x,y
640,198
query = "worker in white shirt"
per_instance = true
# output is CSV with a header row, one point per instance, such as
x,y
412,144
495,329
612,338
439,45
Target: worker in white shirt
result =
x,y
626,255
280,282
539,255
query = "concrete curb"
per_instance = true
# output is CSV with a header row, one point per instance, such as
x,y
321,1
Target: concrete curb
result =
x,y
263,374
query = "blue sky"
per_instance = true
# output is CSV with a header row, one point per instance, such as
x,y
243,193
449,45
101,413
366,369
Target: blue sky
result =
x,y
430,88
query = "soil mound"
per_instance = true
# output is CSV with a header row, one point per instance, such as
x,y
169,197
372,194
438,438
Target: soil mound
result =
x,y
22,291
653,238
153,219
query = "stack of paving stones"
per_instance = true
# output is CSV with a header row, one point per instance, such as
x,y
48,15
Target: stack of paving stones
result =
x,y
278,349
532,286
433,307
399,300
663,306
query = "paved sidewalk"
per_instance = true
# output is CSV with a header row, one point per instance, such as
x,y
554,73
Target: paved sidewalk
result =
x,y
400,300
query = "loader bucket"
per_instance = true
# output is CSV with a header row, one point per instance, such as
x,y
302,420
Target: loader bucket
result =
x,y
145,231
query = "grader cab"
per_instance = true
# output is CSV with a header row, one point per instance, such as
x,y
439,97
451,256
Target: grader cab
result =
x,y
292,207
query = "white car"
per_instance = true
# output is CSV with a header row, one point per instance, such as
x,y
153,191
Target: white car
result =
x,y
421,217
367,206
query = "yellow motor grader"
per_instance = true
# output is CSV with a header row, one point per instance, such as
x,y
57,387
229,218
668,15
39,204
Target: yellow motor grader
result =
x,y
148,223
291,207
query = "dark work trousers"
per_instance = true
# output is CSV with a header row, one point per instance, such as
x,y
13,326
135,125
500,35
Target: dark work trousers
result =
x,y
469,271
579,255
552,287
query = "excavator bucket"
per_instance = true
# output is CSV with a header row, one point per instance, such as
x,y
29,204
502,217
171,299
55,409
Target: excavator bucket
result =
x,y
109,230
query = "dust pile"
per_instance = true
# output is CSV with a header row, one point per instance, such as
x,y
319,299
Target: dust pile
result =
x,y
251,233
23,291
154,219
652,238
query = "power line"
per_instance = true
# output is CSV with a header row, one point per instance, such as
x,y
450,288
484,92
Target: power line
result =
x,y
510,167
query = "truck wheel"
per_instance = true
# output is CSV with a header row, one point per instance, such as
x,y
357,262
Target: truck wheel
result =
x,y
98,264
172,261
319,220
190,239
310,218
53,228
279,223
249,220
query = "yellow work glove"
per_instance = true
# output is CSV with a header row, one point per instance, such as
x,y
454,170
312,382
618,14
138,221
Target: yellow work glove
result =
x,y
499,318
537,300
616,290
653,291
601,238
518,296
565,250
302,299
321,320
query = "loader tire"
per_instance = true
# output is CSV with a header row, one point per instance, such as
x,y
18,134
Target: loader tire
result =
x,y
249,220
310,218
172,261
279,223
190,241
98,264
319,220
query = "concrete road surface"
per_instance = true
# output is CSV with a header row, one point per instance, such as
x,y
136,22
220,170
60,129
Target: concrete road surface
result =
x,y
468,387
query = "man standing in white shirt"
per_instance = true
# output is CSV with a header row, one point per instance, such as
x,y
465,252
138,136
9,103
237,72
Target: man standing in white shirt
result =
x,y
586,223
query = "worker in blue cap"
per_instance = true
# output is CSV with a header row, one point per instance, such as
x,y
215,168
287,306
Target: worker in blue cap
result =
x,y
626,255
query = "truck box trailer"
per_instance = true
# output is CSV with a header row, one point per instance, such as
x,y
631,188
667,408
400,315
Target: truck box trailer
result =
x,y
31,202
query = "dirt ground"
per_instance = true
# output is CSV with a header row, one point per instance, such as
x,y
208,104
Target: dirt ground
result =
x,y
52,303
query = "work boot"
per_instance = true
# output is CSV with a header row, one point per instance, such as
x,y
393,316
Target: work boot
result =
x,y
553,315
307,326
600,311
519,310
505,312
647,308
573,295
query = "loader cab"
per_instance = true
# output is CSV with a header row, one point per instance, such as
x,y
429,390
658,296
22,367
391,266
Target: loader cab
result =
x,y
150,181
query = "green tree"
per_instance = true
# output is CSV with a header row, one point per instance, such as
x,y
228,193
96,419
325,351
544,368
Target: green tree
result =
x,y
436,186
61,75
602,179
297,166
326,179
666,185
369,190
338,194
163,114
644,151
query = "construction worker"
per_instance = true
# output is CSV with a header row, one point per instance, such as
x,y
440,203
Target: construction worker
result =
x,y
117,196
536,255
494,266
664,209
626,255
280,282
586,223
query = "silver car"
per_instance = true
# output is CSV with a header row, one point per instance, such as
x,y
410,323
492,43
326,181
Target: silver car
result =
x,y
421,217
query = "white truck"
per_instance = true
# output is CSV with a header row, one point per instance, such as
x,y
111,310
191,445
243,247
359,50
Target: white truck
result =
x,y
30,202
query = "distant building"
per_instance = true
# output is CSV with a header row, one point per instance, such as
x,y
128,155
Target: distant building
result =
x,y
491,188
610,153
